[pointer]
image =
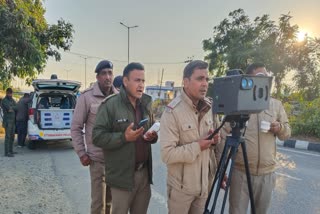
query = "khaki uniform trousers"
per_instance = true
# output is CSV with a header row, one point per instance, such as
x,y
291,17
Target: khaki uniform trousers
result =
x,y
135,201
181,203
262,187
100,193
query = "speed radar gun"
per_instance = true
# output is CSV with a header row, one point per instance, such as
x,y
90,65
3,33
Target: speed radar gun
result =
x,y
235,96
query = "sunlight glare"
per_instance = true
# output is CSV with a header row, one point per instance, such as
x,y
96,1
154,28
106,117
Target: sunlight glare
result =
x,y
301,35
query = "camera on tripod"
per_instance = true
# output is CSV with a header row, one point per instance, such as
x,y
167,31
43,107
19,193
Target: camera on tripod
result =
x,y
237,94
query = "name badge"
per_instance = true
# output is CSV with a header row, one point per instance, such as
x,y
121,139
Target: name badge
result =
x,y
122,120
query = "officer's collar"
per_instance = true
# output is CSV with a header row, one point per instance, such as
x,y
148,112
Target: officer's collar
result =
x,y
203,105
144,100
97,91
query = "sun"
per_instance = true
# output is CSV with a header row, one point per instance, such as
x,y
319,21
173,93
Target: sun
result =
x,y
301,35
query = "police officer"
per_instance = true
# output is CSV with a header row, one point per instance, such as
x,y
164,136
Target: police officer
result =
x,y
117,82
9,107
22,119
189,156
261,155
90,155
127,148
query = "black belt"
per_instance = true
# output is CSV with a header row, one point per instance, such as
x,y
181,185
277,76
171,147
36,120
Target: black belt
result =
x,y
140,166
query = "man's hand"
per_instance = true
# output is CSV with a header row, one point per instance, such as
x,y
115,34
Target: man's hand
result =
x,y
150,136
132,135
85,160
217,138
224,182
275,127
205,144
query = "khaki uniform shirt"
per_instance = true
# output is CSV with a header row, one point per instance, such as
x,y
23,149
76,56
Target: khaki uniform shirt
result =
x,y
261,146
190,170
84,117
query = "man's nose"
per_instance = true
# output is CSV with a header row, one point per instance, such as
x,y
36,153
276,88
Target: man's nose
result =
x,y
205,83
141,84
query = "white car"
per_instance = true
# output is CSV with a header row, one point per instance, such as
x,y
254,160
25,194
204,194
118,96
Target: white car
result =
x,y
51,110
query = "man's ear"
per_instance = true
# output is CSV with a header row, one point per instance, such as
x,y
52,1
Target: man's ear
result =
x,y
125,81
185,82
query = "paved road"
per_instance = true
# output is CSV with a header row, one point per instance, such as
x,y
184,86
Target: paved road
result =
x,y
298,183
297,190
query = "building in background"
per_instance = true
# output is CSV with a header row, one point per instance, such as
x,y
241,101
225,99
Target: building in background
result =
x,y
165,92
177,91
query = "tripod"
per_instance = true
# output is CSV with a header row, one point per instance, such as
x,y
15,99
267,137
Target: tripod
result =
x,y
229,152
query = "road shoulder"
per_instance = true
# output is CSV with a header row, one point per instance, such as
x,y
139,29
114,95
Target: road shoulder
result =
x,y
300,144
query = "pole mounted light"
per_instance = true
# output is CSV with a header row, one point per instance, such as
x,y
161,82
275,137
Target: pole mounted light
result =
x,y
129,27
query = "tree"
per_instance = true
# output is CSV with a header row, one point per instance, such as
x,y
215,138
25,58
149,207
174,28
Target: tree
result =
x,y
237,41
27,40
307,77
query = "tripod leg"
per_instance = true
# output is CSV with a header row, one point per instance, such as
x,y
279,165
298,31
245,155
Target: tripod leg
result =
x,y
219,176
232,156
245,158
216,177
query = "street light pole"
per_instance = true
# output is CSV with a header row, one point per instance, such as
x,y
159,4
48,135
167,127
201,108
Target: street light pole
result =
x,y
67,70
128,27
85,70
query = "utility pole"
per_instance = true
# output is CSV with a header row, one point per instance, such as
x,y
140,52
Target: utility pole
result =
x,y
67,70
161,83
85,70
129,27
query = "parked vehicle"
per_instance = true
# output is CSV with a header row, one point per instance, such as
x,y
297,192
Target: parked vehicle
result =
x,y
51,110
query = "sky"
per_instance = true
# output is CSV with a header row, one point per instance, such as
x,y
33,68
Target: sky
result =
x,y
168,33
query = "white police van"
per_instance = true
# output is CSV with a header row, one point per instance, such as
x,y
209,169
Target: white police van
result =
x,y
51,110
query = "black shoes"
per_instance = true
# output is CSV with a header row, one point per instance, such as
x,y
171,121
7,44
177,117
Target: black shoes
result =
x,y
9,155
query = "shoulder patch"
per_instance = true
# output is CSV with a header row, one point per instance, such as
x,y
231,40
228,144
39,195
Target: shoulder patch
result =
x,y
173,104
86,90
108,97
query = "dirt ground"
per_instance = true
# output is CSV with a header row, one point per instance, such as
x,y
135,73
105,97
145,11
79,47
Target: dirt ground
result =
x,y
29,185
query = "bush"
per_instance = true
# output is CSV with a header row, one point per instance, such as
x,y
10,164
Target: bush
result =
x,y
1,129
307,120
158,107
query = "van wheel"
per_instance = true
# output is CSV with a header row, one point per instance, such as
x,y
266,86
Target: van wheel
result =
x,y
32,144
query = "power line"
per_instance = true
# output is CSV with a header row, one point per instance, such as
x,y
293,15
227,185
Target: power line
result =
x,y
90,56
116,60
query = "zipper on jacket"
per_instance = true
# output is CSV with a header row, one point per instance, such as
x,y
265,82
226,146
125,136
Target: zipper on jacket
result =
x,y
182,176
199,122
258,130
201,177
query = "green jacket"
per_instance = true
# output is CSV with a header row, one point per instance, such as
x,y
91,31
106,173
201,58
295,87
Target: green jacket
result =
x,y
9,107
114,116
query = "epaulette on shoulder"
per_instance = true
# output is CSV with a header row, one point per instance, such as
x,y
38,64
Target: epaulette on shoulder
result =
x,y
173,104
86,90
108,98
